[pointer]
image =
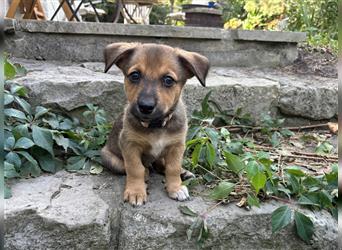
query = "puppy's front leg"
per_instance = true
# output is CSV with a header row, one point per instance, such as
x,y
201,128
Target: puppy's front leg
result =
x,y
173,167
135,191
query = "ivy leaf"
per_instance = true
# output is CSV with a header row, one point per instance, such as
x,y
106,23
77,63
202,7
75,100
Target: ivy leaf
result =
x,y
324,148
28,157
234,162
196,153
296,187
46,161
210,154
281,217
15,113
235,147
21,131
222,190
43,138
23,104
187,211
40,111
309,200
62,141
294,170
8,99
10,171
29,169
9,143
75,163
23,143
252,200
9,70
258,181
13,158
304,226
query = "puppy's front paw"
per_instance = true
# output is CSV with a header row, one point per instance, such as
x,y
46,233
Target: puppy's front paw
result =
x,y
181,195
135,197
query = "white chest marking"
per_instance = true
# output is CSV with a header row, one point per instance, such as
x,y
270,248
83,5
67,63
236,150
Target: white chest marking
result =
x,y
158,146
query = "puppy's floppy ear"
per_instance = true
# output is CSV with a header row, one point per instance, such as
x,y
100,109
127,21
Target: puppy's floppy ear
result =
x,y
196,64
116,53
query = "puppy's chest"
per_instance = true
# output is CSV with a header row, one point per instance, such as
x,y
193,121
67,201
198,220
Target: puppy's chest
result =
x,y
158,145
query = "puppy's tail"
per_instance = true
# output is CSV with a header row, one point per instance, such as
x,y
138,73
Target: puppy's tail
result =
x,y
112,162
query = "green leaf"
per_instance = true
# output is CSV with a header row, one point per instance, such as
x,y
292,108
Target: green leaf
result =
x,y
294,170
62,141
281,217
324,148
252,200
23,104
9,70
21,131
210,154
296,187
251,169
29,158
196,153
29,169
15,113
8,99
304,226
187,211
8,192
43,138
286,133
309,200
193,226
275,139
46,161
23,143
235,147
10,171
40,111
9,143
258,181
13,158
222,190
19,90
234,162
75,163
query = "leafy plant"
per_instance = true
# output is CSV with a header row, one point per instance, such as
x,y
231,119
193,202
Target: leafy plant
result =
x,y
38,140
232,167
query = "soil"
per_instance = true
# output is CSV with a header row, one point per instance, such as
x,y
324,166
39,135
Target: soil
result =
x,y
315,61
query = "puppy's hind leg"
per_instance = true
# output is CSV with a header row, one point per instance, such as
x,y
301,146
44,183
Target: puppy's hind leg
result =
x,y
112,162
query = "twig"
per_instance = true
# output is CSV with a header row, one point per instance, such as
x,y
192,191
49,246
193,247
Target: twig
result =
x,y
209,172
239,127
281,199
211,208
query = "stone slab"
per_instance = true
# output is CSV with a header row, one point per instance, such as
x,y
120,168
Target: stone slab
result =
x,y
269,36
84,41
75,211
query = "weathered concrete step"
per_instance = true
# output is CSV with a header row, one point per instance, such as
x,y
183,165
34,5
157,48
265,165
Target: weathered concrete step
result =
x,y
74,211
85,41
71,86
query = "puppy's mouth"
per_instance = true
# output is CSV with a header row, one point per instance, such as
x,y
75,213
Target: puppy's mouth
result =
x,y
155,119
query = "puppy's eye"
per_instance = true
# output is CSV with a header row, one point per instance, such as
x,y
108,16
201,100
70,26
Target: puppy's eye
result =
x,y
134,77
168,81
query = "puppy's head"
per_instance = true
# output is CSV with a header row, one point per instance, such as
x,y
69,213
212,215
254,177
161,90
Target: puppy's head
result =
x,y
154,75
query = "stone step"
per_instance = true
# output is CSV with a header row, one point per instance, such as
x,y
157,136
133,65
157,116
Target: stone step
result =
x,y
70,86
75,211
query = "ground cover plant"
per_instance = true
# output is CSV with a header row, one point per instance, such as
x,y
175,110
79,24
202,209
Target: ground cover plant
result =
x,y
233,159
250,164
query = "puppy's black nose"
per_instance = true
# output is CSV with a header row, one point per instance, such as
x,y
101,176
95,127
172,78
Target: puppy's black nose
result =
x,y
146,106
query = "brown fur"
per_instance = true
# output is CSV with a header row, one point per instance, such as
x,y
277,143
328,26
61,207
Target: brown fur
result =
x,y
131,146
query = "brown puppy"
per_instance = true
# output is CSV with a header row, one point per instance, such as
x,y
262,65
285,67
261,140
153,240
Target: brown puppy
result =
x,y
154,124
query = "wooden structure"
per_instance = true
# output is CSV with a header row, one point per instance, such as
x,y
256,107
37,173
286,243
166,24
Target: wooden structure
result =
x,y
32,9
202,16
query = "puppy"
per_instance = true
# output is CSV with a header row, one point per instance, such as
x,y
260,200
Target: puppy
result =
x,y
153,127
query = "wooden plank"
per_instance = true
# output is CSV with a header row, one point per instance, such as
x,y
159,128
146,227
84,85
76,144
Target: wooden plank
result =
x,y
13,8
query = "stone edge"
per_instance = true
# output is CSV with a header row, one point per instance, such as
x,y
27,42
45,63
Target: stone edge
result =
x,y
111,29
